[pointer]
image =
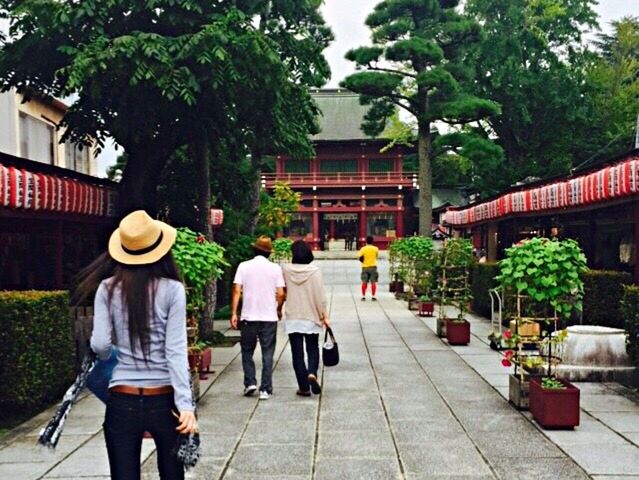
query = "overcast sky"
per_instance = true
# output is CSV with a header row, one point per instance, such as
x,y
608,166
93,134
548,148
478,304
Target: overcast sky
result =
x,y
346,18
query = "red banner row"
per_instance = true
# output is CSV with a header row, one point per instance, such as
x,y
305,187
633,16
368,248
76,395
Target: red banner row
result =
x,y
22,189
612,182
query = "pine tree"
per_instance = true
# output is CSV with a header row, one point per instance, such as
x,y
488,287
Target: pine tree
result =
x,y
417,63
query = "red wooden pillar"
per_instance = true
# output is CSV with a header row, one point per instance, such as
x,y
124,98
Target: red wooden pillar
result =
x,y
332,229
363,220
399,223
637,243
59,252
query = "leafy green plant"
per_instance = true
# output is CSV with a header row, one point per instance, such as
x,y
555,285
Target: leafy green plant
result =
x,y
456,259
276,209
282,250
603,291
413,260
547,271
200,261
552,383
630,314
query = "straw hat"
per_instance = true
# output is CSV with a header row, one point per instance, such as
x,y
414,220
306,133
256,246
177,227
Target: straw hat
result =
x,y
140,240
263,243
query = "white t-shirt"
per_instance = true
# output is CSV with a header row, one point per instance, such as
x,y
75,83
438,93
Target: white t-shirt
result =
x,y
259,279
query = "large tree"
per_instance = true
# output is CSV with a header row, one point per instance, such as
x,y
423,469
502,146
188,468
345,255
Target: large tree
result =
x,y
157,75
613,90
531,61
418,63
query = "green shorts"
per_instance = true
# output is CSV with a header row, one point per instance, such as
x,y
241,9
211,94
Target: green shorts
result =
x,y
370,274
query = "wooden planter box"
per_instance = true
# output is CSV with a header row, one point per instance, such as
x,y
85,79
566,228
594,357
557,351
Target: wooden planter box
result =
x,y
553,408
518,391
457,333
413,304
441,327
426,309
526,329
195,360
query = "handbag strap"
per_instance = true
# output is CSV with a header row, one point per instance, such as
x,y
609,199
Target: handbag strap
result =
x,y
328,332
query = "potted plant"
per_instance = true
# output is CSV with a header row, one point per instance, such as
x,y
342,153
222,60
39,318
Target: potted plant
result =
x,y
546,272
454,290
426,306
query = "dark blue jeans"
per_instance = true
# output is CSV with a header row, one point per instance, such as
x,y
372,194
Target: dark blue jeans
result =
x,y
250,333
299,364
127,418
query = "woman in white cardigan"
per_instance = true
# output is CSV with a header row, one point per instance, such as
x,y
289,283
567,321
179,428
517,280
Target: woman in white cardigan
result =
x,y
305,315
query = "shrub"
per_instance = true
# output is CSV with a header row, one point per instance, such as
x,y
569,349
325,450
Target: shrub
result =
x,y
482,280
630,314
282,250
37,350
603,291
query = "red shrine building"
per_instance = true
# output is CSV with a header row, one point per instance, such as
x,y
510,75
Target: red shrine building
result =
x,y
350,188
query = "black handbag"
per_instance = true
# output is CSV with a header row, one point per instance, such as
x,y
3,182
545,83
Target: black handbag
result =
x,y
330,352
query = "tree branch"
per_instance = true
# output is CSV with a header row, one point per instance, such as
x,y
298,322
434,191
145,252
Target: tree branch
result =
x,y
390,70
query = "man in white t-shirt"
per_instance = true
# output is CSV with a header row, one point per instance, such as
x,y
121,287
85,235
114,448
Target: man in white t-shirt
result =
x,y
260,283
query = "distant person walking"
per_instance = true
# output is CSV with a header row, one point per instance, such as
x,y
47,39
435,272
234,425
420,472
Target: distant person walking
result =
x,y
261,285
368,257
305,316
141,310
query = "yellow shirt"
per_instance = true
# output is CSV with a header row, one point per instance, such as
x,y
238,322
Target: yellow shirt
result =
x,y
369,252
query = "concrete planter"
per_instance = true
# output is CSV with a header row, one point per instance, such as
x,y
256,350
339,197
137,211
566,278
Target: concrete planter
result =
x,y
554,408
457,333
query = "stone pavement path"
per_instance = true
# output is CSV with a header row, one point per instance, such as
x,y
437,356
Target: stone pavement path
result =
x,y
401,405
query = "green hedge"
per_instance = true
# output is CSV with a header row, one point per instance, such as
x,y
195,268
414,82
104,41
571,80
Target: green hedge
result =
x,y
37,349
483,279
603,290
630,313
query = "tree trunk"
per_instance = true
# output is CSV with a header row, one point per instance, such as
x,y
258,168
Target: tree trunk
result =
x,y
138,188
256,162
201,155
425,182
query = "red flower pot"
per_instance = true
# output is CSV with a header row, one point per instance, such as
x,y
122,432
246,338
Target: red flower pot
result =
x,y
392,286
194,360
399,287
554,408
426,309
457,333
205,363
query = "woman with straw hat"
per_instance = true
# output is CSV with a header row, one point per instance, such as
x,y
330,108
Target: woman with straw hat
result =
x,y
141,310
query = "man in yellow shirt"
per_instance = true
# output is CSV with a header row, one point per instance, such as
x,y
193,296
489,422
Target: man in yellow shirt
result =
x,y
368,256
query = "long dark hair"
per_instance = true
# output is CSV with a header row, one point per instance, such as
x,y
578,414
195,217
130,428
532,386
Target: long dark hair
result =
x,y
137,289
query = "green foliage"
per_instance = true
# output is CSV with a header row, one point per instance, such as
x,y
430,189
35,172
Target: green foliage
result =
x,y
551,383
282,250
418,63
455,263
483,278
547,271
275,211
413,260
630,313
532,59
603,291
163,74
37,351
200,261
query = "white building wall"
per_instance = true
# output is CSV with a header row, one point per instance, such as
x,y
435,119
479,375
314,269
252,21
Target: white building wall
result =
x,y
9,124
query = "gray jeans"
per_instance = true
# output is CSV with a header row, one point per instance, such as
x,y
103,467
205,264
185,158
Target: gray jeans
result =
x,y
250,333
